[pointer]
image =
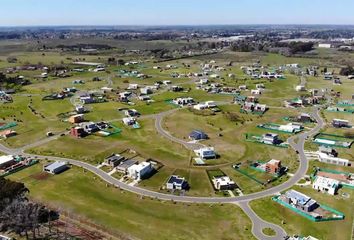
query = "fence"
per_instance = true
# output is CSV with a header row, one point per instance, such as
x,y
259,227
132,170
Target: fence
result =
x,y
341,216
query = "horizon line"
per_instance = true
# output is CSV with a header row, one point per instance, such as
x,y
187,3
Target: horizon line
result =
x,y
177,25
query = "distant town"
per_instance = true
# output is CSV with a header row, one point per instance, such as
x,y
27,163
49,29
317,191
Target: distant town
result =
x,y
177,132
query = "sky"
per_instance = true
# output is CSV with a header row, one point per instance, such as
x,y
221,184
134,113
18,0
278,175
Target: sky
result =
x,y
174,12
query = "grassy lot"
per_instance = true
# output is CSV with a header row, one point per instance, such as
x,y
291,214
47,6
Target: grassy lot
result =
x,y
296,224
31,126
232,146
80,193
94,149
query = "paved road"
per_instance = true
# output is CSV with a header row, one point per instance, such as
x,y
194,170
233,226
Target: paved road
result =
x,y
258,225
166,134
299,146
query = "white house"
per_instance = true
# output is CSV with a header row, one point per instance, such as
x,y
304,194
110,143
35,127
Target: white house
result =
x,y
146,90
129,121
270,138
133,86
139,171
206,153
206,105
256,92
300,88
183,101
324,184
224,183
323,157
6,161
167,82
325,45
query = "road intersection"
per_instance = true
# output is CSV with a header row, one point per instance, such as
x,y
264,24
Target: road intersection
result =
x,y
297,143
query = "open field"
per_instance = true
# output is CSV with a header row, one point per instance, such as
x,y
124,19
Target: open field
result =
x,y
123,212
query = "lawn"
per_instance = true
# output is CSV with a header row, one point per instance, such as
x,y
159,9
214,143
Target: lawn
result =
x,y
295,224
82,194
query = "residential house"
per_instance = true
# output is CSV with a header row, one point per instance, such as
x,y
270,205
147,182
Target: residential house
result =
x,y
123,166
129,121
114,160
340,123
6,161
223,183
273,167
184,101
78,132
131,113
300,201
198,135
176,182
7,133
270,138
324,184
206,153
140,171
78,118
329,151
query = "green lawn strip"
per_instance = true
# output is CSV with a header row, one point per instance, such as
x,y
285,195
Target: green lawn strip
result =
x,y
81,194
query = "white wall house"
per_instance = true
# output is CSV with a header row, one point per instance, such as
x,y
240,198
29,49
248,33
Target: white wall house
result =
x,y
139,171
324,184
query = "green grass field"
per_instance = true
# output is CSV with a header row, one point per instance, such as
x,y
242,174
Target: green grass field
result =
x,y
297,225
80,193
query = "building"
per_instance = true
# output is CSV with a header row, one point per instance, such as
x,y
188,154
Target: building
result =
x,y
7,133
324,184
291,127
176,182
198,135
90,127
270,138
300,88
129,121
340,123
323,157
304,117
78,132
140,171
325,45
183,101
273,167
131,113
56,167
6,161
206,153
223,183
146,91
328,150
300,201
123,166
114,160
78,118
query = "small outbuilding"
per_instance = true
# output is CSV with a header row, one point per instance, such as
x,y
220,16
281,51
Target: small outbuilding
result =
x,y
56,167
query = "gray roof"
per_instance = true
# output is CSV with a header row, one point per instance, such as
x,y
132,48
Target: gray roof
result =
x,y
126,164
55,165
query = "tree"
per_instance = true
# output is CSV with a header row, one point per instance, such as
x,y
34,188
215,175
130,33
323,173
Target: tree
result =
x,y
346,71
120,62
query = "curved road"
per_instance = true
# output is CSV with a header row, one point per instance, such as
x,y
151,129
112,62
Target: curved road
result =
x,y
299,146
257,223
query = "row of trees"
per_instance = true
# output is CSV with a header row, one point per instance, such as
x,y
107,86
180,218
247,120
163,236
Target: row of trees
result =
x,y
18,214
